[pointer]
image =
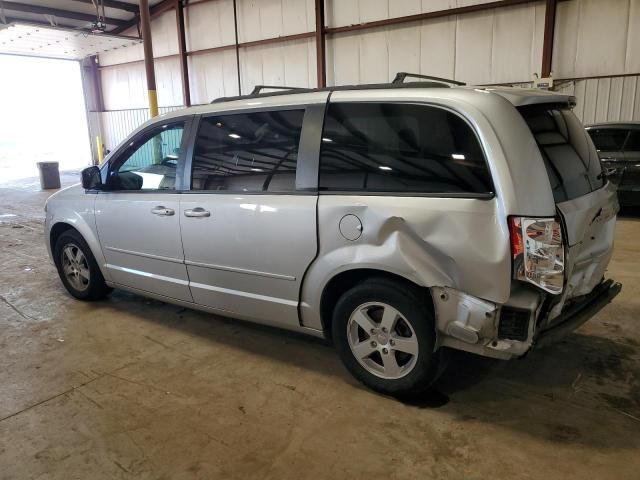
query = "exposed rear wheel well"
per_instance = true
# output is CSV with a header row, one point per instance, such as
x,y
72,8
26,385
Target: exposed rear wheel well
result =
x,y
347,280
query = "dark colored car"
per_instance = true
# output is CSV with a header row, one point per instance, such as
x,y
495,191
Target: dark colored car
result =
x,y
618,145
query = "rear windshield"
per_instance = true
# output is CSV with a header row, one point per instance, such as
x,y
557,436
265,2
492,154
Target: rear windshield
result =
x,y
569,155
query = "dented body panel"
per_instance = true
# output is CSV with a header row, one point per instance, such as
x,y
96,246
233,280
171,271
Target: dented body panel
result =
x,y
429,241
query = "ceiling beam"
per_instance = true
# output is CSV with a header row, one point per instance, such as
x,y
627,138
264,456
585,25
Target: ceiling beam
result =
x,y
56,12
154,11
117,4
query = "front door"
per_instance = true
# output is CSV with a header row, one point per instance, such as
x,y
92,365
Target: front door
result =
x,y
248,233
137,216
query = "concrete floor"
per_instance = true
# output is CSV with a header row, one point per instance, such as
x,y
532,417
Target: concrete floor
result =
x,y
133,388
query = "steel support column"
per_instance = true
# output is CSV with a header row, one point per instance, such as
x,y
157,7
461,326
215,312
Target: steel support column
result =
x,y
145,25
547,42
97,84
237,45
182,52
320,45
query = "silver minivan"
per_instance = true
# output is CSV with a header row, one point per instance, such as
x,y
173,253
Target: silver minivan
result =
x,y
394,219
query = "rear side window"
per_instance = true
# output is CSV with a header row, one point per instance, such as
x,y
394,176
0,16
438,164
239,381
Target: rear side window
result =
x,y
247,152
570,158
608,139
403,148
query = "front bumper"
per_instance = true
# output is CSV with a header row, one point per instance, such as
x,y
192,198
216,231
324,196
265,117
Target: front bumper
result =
x,y
578,313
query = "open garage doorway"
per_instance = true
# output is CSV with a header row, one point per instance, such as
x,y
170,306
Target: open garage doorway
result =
x,y
42,116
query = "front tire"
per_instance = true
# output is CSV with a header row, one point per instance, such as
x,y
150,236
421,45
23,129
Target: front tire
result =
x,y
77,267
384,332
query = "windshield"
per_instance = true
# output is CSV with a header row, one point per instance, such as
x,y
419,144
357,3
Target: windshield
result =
x,y
569,155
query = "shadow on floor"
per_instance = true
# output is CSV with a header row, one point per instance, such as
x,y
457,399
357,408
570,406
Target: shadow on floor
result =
x,y
552,392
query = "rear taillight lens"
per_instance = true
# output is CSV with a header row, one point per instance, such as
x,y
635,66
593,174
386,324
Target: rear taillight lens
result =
x,y
538,252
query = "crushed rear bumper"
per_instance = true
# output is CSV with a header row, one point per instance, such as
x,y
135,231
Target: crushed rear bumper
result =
x,y
578,313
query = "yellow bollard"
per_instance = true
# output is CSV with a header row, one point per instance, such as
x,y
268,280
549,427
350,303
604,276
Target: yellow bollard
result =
x,y
153,103
100,149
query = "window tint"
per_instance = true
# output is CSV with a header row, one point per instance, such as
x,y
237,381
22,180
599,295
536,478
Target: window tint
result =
x,y
248,152
608,139
150,162
633,143
571,160
384,147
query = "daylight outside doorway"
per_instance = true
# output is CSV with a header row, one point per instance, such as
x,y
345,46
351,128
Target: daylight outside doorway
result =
x,y
42,116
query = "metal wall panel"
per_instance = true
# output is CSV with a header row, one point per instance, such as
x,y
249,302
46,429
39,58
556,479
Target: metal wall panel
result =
x,y
209,24
495,46
124,86
258,19
593,37
290,63
632,60
474,46
118,124
163,34
597,37
212,75
605,99
348,12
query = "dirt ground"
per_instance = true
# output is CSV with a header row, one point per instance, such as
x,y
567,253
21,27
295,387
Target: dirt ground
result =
x,y
134,388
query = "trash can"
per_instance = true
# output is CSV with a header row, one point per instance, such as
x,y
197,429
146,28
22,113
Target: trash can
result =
x,y
49,175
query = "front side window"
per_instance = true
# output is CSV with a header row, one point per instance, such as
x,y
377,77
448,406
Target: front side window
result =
x,y
150,162
608,139
404,148
247,152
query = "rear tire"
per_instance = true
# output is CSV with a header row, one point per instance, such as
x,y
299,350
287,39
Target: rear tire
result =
x,y
385,335
77,267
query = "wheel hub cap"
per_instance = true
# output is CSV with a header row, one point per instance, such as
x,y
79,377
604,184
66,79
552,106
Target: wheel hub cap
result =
x,y
382,340
75,267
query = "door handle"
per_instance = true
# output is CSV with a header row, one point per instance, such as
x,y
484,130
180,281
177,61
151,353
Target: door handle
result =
x,y
197,212
164,211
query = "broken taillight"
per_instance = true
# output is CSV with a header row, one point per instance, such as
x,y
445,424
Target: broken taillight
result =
x,y
538,252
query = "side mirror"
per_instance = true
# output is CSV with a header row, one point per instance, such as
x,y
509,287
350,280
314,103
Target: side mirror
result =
x,y
91,179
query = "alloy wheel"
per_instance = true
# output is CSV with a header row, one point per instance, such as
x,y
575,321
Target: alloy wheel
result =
x,y
75,267
382,340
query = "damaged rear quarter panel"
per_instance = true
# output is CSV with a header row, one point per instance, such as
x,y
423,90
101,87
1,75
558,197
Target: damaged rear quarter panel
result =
x,y
454,242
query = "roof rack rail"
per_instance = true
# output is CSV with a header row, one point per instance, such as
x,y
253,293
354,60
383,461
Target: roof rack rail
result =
x,y
398,82
400,76
258,88
257,92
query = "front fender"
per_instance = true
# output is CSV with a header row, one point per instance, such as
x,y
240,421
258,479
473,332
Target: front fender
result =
x,y
75,208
